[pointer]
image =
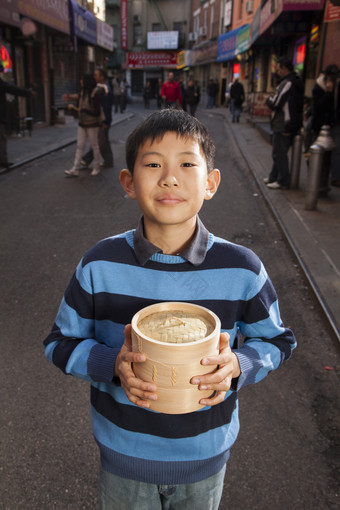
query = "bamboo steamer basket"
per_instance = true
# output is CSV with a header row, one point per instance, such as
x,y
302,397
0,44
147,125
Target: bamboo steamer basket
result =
x,y
171,365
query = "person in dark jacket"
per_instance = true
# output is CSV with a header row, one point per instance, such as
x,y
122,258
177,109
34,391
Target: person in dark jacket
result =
x,y
147,94
192,96
7,88
106,99
323,111
286,121
237,98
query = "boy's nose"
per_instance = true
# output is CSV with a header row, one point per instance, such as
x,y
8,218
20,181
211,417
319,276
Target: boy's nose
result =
x,y
169,180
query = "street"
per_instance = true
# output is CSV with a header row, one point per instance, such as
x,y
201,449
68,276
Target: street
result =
x,y
287,452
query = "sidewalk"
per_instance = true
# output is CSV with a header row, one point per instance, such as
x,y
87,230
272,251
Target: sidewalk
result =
x,y
314,236
45,140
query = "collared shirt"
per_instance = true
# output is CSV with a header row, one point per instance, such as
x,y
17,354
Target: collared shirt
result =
x,y
194,253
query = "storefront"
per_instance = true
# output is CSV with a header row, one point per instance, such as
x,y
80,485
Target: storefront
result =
x,y
148,65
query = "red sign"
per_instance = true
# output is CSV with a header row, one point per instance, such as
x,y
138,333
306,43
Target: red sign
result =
x,y
151,59
332,12
123,24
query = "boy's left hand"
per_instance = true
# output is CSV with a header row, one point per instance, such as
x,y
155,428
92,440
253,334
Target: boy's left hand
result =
x,y
220,380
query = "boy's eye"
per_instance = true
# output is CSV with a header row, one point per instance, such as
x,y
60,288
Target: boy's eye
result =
x,y
153,165
187,164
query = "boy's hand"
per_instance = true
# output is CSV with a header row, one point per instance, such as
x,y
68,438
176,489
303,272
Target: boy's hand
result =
x,y
220,380
137,391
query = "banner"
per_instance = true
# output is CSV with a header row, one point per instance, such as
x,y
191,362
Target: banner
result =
x,y
144,59
104,35
123,24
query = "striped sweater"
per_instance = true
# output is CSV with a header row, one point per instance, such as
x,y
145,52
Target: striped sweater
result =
x,y
107,289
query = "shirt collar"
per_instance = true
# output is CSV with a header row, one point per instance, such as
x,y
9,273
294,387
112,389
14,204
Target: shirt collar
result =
x,y
194,253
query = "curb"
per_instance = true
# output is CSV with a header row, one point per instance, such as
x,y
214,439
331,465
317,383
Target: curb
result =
x,y
53,148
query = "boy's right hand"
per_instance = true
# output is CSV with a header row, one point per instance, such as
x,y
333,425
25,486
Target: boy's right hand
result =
x,y
137,391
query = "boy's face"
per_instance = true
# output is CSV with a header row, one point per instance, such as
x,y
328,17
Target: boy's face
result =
x,y
170,181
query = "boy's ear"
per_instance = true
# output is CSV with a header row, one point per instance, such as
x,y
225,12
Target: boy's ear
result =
x,y
126,180
213,181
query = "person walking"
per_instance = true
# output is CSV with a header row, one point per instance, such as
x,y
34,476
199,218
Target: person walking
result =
x,y
237,99
118,93
147,94
286,121
171,92
106,99
88,109
192,96
211,93
158,93
7,88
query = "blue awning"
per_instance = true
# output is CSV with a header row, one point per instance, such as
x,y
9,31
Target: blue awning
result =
x,y
227,45
83,23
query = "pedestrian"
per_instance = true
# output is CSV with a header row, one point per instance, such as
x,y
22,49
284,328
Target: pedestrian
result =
x,y
192,96
210,93
237,98
325,111
227,94
286,121
89,113
158,93
7,88
149,458
147,94
216,89
118,93
183,87
106,98
171,92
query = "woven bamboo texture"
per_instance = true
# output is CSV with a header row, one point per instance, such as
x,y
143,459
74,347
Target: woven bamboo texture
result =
x,y
171,364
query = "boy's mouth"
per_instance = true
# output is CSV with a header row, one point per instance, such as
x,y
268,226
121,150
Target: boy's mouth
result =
x,y
169,199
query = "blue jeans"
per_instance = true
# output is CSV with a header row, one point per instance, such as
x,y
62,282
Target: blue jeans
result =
x,y
117,493
235,110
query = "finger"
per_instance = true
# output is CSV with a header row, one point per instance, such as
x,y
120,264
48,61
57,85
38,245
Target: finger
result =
x,y
224,350
217,398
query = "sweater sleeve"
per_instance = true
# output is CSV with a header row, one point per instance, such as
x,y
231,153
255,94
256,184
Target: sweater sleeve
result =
x,y
267,342
71,344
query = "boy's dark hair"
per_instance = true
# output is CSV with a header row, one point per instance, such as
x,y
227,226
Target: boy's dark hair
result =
x,y
169,120
285,62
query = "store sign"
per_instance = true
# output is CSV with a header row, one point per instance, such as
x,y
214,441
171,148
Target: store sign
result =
x,y
104,35
52,14
332,12
83,23
163,40
302,5
151,59
9,13
123,24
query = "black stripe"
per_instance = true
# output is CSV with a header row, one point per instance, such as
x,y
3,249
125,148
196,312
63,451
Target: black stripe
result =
x,y
283,342
172,426
64,348
220,255
78,299
257,308
120,308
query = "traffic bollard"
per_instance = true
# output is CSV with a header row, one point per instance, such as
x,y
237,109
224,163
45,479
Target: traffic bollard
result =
x,y
295,162
314,176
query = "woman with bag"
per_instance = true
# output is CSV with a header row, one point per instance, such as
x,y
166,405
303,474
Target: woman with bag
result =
x,y
89,112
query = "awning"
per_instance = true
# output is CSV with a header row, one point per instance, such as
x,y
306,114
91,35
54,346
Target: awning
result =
x,y
226,45
232,43
270,11
52,14
83,23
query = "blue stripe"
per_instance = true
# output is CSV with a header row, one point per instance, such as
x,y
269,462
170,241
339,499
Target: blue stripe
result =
x,y
175,286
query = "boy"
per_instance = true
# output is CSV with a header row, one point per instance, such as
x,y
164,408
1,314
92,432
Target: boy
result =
x,y
151,460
